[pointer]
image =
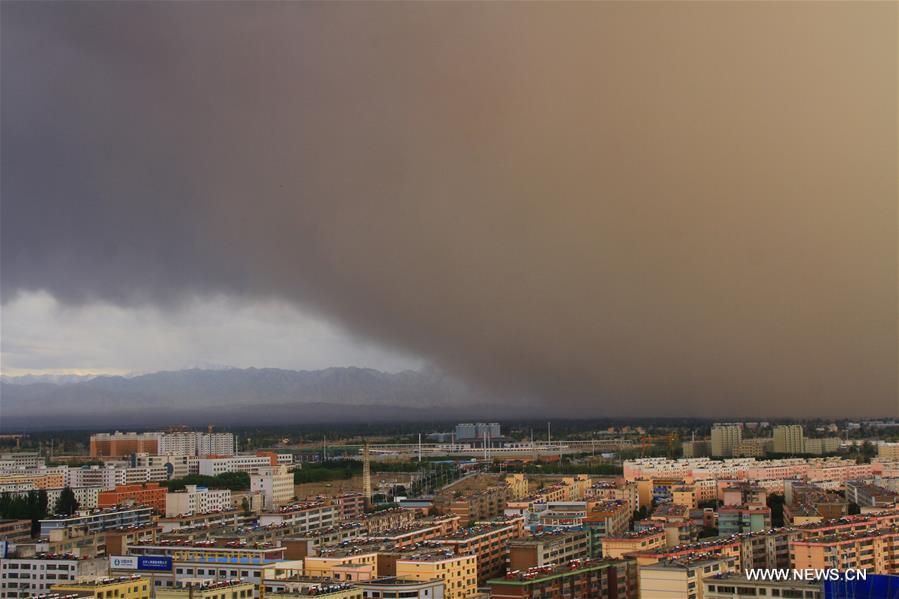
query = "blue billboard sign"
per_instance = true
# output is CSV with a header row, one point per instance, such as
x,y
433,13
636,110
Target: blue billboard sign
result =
x,y
154,563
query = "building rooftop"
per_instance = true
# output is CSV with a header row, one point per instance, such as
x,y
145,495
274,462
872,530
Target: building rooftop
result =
x,y
541,574
100,582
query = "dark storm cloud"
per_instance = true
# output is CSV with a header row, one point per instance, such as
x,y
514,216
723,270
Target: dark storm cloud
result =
x,y
637,208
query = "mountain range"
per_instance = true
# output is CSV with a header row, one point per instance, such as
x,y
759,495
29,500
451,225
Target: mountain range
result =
x,y
235,396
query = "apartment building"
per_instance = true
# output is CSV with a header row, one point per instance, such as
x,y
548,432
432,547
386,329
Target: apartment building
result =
x,y
176,466
192,562
581,579
122,587
697,449
458,572
737,586
237,463
733,519
309,544
607,518
100,520
518,485
197,500
350,505
226,589
24,577
488,541
21,460
15,530
607,491
625,543
197,443
876,551
549,548
725,439
789,439
147,494
393,587
193,522
475,505
334,562
888,452
866,495
303,515
276,486
681,578
822,445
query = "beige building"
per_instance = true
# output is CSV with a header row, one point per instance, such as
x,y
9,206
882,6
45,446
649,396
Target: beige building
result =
x,y
123,587
518,486
725,439
888,452
822,445
226,589
788,438
458,572
682,578
737,586
756,447
276,486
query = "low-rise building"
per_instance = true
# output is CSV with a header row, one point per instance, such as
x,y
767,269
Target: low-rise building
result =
x,y
489,541
122,587
625,543
100,520
458,572
737,586
744,518
872,496
581,579
225,589
681,578
197,500
392,587
147,494
36,575
549,548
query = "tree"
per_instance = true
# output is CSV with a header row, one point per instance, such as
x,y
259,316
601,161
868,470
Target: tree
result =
x,y
66,504
245,505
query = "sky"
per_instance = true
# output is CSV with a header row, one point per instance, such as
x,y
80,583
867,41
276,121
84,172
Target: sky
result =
x,y
664,208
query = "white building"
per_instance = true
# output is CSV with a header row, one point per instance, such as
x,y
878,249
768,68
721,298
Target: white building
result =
x,y
197,443
21,460
27,577
87,497
276,486
237,463
197,500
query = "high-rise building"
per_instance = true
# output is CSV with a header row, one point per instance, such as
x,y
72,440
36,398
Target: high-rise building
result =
x,y
467,431
725,439
788,438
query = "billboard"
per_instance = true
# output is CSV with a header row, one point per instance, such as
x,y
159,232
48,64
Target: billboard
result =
x,y
154,563
122,562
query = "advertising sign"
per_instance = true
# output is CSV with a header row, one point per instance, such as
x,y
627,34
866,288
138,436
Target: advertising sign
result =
x,y
154,563
122,562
